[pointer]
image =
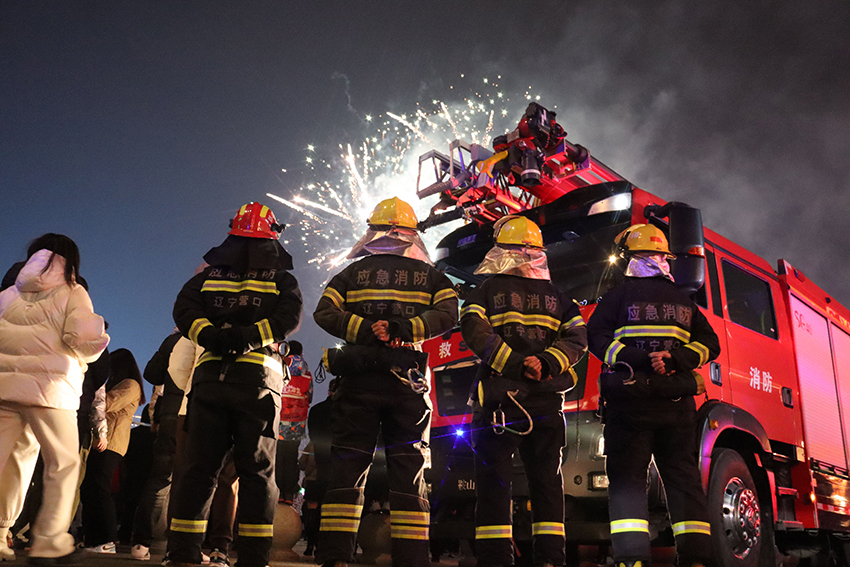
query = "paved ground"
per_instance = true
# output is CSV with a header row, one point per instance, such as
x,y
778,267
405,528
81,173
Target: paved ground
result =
x,y
664,557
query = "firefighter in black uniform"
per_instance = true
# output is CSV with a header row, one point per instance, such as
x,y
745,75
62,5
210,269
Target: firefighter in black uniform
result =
x,y
528,336
382,306
651,337
239,309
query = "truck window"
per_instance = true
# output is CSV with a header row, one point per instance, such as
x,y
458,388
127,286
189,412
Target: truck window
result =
x,y
714,283
748,301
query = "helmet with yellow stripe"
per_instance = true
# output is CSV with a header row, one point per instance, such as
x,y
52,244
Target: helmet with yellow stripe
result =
x,y
517,231
393,212
255,221
643,238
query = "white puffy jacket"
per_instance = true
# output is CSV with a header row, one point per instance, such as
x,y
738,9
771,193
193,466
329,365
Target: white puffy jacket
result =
x,y
48,332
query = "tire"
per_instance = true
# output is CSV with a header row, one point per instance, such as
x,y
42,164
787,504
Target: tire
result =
x,y
740,535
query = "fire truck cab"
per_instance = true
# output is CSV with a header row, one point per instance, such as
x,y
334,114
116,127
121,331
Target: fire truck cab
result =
x,y
774,423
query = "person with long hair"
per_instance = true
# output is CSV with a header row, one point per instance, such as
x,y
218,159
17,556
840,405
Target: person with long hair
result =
x,y
48,334
124,394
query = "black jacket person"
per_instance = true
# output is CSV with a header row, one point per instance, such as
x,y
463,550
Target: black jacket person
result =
x,y
651,336
391,298
528,336
238,309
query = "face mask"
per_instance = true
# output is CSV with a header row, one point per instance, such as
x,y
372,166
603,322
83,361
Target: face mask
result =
x,y
649,267
523,261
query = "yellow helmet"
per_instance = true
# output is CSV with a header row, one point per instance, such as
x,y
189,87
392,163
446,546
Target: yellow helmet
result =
x,y
643,238
518,231
393,212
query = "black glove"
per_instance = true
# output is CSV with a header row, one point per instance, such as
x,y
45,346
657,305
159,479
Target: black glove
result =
x,y
211,339
234,340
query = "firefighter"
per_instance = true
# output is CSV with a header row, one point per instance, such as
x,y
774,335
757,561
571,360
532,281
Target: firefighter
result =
x,y
528,336
650,337
383,306
239,309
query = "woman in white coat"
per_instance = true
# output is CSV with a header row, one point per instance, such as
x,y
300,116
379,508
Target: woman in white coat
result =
x,y
48,333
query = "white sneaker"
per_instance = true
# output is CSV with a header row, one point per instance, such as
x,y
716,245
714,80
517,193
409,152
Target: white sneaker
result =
x,y
140,552
108,547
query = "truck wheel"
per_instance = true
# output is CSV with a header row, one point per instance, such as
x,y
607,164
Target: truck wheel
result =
x,y
739,535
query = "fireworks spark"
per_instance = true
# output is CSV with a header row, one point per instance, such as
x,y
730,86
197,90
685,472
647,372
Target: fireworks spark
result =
x,y
343,186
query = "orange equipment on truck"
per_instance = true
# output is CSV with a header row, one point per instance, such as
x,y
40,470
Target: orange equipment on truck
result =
x,y
774,423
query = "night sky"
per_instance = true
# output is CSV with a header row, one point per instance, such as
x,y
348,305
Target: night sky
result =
x,y
138,128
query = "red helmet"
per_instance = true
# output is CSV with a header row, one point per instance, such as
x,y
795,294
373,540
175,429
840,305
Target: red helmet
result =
x,y
255,221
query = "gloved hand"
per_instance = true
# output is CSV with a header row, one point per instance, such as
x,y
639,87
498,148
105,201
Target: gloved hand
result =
x,y
211,339
234,340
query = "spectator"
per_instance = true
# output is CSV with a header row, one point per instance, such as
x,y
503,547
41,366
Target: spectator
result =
x,y
317,467
48,334
295,402
158,484
124,394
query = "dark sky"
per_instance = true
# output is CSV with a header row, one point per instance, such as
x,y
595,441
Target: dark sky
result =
x,y
138,128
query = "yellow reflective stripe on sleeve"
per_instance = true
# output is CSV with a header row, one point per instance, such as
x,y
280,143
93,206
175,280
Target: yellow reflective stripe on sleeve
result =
x,y
333,295
265,332
344,510
701,350
236,287
501,357
198,325
631,525
493,532
652,331
612,351
548,528
188,526
418,329
576,321
562,358
353,328
256,530
408,532
692,527
445,294
388,295
474,309
524,319
339,525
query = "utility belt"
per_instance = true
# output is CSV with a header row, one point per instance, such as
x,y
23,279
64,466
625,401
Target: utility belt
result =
x,y
398,359
621,384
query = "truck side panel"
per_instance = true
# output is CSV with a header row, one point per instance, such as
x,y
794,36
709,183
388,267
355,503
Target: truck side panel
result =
x,y
818,391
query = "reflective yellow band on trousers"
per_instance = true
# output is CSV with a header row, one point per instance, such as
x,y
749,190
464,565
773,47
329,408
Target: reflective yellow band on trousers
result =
x,y
548,528
691,527
188,526
630,525
339,525
408,517
344,510
409,532
256,530
493,532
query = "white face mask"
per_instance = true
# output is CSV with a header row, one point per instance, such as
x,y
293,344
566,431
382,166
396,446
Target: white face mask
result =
x,y
649,266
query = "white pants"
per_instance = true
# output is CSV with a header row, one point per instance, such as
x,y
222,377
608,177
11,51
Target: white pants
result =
x,y
22,430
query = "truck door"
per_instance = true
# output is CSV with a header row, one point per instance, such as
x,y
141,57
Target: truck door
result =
x,y
761,366
708,298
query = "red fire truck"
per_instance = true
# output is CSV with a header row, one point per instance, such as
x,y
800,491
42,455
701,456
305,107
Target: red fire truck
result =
x,y
774,424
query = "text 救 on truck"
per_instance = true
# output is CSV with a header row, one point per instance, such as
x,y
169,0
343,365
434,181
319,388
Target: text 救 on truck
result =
x,y
774,423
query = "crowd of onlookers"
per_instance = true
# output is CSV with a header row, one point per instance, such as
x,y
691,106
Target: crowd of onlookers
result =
x,y
77,439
